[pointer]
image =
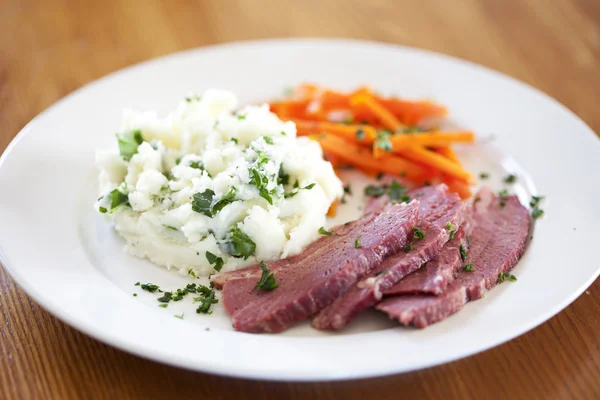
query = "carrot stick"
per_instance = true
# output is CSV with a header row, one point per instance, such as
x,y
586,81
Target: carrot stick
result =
x,y
438,162
357,133
437,139
412,112
448,153
362,158
458,186
387,118
332,209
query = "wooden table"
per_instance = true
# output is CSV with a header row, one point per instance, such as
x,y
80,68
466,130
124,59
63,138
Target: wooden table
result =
x,y
50,48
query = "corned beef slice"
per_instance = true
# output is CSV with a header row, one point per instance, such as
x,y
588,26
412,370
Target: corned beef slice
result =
x,y
320,276
497,242
435,276
437,208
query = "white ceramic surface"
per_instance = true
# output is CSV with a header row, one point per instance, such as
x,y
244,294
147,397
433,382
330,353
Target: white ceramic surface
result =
x,y
71,262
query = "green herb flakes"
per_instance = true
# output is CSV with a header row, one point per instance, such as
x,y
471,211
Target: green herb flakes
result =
x,y
268,139
502,276
241,244
128,143
484,175
419,234
267,280
324,231
463,252
357,243
216,262
510,178
202,202
409,248
468,268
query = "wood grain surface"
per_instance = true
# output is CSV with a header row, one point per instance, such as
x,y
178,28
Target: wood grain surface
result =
x,y
50,48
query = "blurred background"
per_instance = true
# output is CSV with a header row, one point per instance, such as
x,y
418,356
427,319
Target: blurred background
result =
x,y
50,48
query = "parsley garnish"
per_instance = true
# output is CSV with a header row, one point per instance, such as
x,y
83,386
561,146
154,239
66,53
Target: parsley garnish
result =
x,y
468,240
135,295
502,276
117,198
259,179
452,228
348,190
503,195
226,199
268,139
170,227
379,176
128,143
267,280
241,244
360,134
206,300
166,297
357,242
296,190
408,248
202,202
282,177
510,178
383,271
324,231
484,175
216,262
468,268
163,305
149,287
179,316
536,213
375,191
463,252
383,141
192,98
396,191
241,117
197,165
419,234
235,140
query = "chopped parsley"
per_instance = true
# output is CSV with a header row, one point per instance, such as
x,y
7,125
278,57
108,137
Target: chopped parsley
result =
x,y
235,140
503,195
117,198
135,295
267,280
534,203
324,231
383,141
216,262
484,175
360,134
179,316
409,248
468,240
397,192
241,244
383,271
452,228
282,177
419,234
511,178
202,202
537,213
163,305
357,243
192,98
241,117
463,252
375,191
468,268
149,287
226,199
296,190
348,190
283,133
128,143
172,228
502,276
268,139
166,297
206,300
379,176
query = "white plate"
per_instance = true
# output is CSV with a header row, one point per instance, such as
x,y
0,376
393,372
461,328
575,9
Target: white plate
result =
x,y
63,255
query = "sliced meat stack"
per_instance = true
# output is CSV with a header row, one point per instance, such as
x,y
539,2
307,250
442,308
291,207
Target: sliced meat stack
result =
x,y
406,260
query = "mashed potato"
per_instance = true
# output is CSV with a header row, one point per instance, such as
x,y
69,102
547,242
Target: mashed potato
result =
x,y
210,188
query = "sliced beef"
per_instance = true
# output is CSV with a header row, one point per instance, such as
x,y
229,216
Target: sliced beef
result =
x,y
317,278
254,271
438,207
435,276
497,242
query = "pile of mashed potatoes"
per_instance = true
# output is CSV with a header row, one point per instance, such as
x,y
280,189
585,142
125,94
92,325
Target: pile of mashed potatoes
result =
x,y
212,187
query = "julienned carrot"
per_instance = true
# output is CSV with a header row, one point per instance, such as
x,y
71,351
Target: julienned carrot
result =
x,y
385,117
412,112
362,158
436,161
447,152
433,139
458,186
332,209
358,133
289,108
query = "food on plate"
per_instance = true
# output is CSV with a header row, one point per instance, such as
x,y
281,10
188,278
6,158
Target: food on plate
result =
x,y
233,193
212,187
497,242
379,134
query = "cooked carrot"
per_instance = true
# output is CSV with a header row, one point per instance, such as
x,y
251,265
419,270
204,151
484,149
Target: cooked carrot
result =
x,y
386,117
433,139
290,108
412,112
458,186
436,161
332,209
448,153
357,133
362,158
